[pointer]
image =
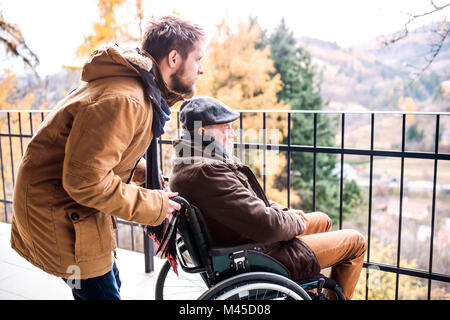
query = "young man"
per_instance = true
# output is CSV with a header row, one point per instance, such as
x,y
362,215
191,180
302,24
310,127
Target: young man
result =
x,y
73,178
237,211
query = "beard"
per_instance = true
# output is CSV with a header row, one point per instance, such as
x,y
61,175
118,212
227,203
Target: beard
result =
x,y
179,86
229,148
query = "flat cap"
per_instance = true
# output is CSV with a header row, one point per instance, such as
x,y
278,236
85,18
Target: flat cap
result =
x,y
207,110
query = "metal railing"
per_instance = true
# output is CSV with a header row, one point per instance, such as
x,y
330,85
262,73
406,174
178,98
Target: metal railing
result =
x,y
17,127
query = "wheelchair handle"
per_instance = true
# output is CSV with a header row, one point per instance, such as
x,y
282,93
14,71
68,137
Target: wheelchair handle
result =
x,y
182,201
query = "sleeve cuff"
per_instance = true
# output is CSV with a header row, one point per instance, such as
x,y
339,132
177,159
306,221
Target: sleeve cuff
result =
x,y
164,208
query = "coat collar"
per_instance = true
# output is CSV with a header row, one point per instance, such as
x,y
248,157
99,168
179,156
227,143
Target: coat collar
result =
x,y
144,60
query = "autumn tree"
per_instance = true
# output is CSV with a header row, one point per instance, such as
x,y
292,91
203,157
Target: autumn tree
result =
x,y
381,285
13,45
106,29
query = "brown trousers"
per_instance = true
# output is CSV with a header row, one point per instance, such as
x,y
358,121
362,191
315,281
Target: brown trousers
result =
x,y
342,250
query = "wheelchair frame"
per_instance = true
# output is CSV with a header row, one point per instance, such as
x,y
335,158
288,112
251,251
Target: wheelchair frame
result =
x,y
234,272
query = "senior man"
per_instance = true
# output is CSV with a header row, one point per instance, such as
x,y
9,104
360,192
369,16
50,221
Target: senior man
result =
x,y
237,211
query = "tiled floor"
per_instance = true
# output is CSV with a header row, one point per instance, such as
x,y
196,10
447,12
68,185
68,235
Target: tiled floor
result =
x,y
21,280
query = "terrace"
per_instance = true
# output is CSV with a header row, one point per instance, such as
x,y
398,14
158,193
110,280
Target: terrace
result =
x,y
405,187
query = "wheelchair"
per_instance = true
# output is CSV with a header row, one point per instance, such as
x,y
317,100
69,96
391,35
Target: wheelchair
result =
x,y
243,272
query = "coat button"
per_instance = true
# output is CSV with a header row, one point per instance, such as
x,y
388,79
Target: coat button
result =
x,y
74,216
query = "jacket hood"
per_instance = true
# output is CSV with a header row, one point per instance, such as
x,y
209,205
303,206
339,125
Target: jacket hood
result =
x,y
114,61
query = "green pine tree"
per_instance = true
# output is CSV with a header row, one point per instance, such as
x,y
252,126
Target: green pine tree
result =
x,y
301,90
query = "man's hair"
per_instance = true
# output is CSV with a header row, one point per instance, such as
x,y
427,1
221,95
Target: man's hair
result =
x,y
170,33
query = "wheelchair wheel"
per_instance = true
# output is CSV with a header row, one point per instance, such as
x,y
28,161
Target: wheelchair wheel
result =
x,y
185,286
256,286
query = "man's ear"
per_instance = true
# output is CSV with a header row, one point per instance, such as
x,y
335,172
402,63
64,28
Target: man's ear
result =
x,y
201,131
173,59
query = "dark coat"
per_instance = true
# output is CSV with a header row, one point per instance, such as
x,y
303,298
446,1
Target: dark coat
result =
x,y
236,209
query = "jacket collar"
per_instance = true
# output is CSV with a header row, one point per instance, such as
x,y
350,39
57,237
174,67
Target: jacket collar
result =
x,y
143,60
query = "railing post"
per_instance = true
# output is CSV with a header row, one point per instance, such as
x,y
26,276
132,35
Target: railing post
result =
x,y
400,214
264,151
314,161
433,206
148,253
289,162
341,182
148,242
369,220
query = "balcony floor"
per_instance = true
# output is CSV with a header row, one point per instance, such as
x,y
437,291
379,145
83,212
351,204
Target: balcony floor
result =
x,y
20,280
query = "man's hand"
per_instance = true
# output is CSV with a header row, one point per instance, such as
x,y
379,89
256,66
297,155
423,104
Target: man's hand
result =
x,y
300,215
173,206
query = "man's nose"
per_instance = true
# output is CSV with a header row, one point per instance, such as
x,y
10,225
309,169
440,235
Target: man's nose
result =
x,y
200,70
233,133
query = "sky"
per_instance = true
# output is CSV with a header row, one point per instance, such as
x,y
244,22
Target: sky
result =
x,y
54,29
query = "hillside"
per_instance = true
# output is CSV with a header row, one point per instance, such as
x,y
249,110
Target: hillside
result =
x,y
370,76
364,77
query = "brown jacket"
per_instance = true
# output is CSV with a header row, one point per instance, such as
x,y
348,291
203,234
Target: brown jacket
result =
x,y
72,178
237,211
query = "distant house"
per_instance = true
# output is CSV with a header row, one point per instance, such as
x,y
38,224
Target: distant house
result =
x,y
411,209
445,137
350,173
445,87
442,242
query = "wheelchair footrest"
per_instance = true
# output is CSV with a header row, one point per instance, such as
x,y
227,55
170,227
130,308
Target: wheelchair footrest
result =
x,y
329,283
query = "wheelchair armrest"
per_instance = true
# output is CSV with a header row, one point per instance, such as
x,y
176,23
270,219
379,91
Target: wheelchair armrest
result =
x,y
222,251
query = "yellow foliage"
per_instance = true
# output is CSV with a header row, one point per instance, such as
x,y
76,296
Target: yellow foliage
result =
x,y
106,30
407,104
237,73
8,94
445,88
381,284
11,99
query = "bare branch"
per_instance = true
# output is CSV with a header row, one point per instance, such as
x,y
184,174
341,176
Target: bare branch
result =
x,y
436,48
11,37
404,33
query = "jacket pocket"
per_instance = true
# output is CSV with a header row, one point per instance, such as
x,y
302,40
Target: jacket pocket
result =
x,y
90,233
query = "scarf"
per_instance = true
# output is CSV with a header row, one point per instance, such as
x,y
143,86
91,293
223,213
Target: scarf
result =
x,y
161,114
161,109
164,234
